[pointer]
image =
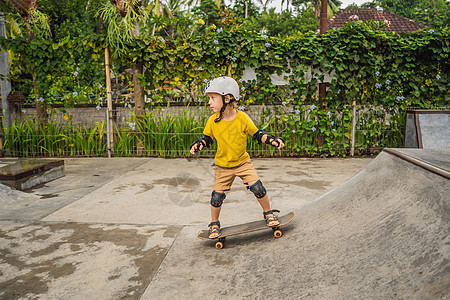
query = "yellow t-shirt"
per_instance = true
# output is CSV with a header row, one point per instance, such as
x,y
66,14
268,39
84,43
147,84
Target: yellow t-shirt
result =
x,y
231,137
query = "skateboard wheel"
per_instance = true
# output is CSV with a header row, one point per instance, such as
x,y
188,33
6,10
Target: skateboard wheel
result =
x,y
219,245
277,233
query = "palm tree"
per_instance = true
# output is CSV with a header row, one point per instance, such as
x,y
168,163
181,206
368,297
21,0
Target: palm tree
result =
x,y
164,13
217,3
173,7
265,3
332,7
122,19
287,4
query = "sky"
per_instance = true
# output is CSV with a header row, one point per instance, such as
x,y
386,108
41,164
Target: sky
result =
x,y
345,3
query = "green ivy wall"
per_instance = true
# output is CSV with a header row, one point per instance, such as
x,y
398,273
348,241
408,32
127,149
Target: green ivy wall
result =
x,y
383,73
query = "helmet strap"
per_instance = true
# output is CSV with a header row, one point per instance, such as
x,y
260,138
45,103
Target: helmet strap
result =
x,y
224,106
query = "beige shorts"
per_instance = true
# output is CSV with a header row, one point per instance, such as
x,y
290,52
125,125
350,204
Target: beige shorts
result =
x,y
224,177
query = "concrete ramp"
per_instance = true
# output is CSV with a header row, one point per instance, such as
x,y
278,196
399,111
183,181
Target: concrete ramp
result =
x,y
384,234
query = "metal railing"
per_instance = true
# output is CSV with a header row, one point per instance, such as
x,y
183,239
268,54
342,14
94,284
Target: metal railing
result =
x,y
172,145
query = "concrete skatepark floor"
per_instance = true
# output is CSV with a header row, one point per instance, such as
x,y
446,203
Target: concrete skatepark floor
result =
x,y
125,229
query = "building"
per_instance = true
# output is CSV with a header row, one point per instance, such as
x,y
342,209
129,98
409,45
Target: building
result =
x,y
394,22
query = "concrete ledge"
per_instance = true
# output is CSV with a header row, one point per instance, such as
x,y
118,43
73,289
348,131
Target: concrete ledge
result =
x,y
24,174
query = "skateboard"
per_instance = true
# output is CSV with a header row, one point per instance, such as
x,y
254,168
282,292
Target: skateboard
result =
x,y
245,228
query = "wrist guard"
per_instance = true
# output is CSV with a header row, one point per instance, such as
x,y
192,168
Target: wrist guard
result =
x,y
204,140
258,136
269,140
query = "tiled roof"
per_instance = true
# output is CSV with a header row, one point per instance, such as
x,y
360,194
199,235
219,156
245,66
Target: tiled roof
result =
x,y
396,22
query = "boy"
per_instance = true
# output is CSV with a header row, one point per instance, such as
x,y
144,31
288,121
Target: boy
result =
x,y
230,128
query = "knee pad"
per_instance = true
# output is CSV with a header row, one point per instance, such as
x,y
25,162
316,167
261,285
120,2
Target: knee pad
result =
x,y
217,199
258,189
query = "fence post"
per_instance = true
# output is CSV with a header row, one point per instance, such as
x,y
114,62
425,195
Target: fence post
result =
x,y
108,142
352,149
5,85
323,28
109,119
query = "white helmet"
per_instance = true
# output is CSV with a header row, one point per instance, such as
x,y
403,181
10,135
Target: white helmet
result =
x,y
223,85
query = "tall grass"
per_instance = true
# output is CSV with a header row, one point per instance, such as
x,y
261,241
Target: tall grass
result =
x,y
162,134
29,138
377,129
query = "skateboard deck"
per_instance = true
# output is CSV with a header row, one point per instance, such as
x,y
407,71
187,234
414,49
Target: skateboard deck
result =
x,y
245,228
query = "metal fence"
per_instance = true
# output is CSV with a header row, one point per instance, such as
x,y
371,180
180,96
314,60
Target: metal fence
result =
x,y
173,145
373,130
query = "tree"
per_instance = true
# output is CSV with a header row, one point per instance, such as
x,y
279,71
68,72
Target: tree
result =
x,y
245,9
284,23
332,7
434,13
169,20
122,18
364,5
209,11
265,3
36,24
71,17
55,75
